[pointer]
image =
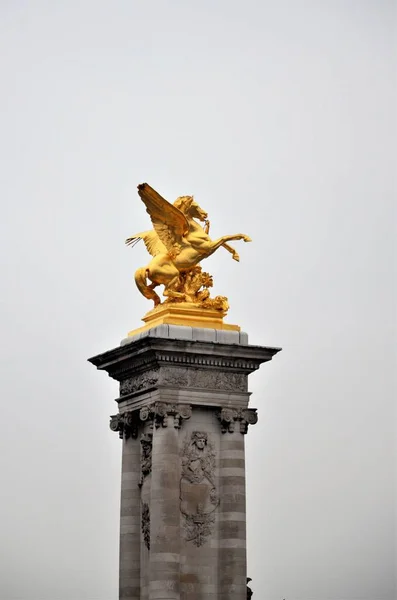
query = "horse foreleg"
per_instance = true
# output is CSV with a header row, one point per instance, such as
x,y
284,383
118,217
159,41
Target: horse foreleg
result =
x,y
214,245
232,251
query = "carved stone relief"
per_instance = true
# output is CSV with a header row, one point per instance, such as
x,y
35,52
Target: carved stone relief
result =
x,y
243,416
139,382
127,423
199,527
217,380
160,411
183,377
146,456
145,524
198,495
177,376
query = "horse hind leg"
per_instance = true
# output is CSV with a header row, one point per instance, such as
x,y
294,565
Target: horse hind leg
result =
x,y
141,276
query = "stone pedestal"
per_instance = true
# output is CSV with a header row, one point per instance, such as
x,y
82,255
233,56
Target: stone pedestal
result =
x,y
183,414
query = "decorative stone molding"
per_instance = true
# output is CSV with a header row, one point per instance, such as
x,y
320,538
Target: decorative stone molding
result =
x,y
125,423
160,411
198,494
175,376
199,527
139,382
153,362
208,361
182,377
145,524
146,456
146,413
244,416
157,353
217,380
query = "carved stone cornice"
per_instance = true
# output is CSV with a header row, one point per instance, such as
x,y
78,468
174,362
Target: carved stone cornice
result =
x,y
207,361
127,423
152,353
228,418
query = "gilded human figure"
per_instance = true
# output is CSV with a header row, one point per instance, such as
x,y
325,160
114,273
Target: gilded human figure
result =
x,y
177,243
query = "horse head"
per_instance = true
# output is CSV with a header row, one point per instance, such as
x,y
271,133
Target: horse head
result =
x,y
190,208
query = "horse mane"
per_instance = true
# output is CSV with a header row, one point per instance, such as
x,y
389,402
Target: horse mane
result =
x,y
183,203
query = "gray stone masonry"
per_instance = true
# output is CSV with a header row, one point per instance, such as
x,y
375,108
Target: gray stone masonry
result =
x,y
183,413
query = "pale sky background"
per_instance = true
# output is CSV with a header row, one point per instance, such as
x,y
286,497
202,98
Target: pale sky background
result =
x,y
280,118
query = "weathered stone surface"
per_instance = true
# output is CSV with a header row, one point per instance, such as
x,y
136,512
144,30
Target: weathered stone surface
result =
x,y
140,358
183,415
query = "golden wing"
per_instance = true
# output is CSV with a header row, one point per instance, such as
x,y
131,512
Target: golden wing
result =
x,y
151,240
168,221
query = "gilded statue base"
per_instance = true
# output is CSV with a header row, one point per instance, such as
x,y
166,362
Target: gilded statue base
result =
x,y
184,313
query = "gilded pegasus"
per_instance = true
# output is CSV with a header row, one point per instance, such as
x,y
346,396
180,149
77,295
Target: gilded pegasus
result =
x,y
177,244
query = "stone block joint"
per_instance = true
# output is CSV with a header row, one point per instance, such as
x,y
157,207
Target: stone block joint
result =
x,y
183,413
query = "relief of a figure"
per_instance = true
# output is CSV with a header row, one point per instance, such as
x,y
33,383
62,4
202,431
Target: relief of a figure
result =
x,y
198,494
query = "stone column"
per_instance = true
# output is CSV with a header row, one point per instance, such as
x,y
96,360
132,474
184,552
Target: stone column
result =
x,y
130,522
232,534
183,413
130,509
164,513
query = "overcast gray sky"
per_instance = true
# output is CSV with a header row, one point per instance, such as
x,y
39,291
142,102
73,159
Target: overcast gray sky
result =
x,y
280,118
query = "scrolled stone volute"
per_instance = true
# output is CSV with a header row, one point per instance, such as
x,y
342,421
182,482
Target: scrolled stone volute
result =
x,y
145,413
228,418
184,411
162,411
249,416
125,423
116,424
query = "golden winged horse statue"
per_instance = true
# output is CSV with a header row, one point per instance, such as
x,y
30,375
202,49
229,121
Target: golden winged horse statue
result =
x,y
177,244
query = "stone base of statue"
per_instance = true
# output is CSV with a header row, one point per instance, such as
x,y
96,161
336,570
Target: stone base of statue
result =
x,y
183,414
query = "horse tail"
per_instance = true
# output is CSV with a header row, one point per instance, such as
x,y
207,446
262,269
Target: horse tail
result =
x,y
141,276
